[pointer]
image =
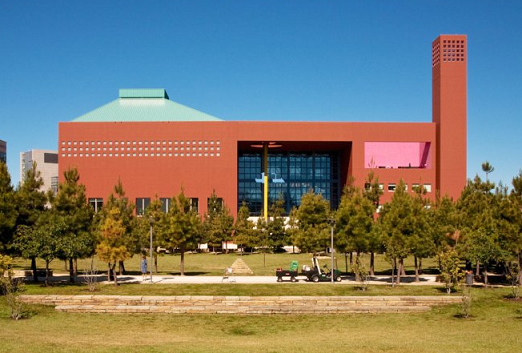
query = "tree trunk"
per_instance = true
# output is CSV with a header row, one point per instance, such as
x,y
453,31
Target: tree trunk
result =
x,y
156,263
33,268
121,269
485,274
420,266
394,266
182,261
403,269
372,263
520,269
358,272
46,273
115,275
399,271
346,261
71,270
477,271
75,267
351,259
417,279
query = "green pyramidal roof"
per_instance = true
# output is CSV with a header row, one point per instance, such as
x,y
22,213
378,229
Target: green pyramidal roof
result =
x,y
144,105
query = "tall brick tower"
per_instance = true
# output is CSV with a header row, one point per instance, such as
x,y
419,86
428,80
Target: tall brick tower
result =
x,y
449,100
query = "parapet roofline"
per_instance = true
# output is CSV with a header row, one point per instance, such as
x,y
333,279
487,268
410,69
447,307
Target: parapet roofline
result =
x,y
144,105
143,93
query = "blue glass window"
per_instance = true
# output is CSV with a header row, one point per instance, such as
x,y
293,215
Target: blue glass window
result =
x,y
290,175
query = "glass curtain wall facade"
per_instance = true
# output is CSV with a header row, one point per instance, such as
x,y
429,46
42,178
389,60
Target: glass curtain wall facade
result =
x,y
290,175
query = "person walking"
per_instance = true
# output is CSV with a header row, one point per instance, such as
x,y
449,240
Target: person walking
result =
x,y
143,266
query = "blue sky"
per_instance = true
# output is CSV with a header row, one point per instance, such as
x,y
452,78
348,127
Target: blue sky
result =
x,y
260,60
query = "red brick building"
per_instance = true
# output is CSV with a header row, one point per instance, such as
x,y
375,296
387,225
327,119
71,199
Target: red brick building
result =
x,y
155,146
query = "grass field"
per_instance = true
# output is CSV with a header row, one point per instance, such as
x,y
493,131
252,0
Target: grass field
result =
x,y
234,289
214,265
496,326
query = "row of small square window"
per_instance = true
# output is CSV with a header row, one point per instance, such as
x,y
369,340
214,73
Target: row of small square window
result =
x,y
141,154
392,187
453,50
158,142
436,60
453,41
453,46
452,54
452,59
122,149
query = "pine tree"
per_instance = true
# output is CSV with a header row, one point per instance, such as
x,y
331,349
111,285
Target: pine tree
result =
x,y
8,209
217,222
31,204
421,240
477,206
118,199
277,237
354,223
397,224
182,227
153,217
510,222
373,192
70,208
111,247
243,228
313,234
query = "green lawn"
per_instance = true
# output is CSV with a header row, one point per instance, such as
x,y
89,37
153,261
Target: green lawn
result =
x,y
495,327
212,264
234,289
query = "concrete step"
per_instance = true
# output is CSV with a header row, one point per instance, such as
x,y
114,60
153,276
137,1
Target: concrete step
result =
x,y
240,305
216,309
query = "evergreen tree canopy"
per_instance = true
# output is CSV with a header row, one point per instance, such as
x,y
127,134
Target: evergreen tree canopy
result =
x,y
313,234
31,201
182,226
244,228
70,208
8,209
218,223
354,222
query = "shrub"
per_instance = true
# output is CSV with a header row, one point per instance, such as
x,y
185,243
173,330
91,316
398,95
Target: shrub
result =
x,y
449,269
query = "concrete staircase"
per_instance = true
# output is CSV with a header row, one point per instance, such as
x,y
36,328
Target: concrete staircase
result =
x,y
240,305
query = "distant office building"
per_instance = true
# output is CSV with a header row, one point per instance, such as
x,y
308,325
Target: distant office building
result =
x,y
3,151
46,163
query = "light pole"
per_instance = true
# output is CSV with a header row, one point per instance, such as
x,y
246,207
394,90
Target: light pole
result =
x,y
264,180
332,224
151,221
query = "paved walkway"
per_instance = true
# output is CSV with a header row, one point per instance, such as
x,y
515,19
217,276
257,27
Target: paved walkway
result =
x,y
429,280
410,280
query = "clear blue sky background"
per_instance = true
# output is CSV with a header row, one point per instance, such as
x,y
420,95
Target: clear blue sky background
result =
x,y
260,60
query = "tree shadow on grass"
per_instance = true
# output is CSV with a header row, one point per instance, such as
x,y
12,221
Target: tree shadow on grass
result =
x,y
464,317
240,331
